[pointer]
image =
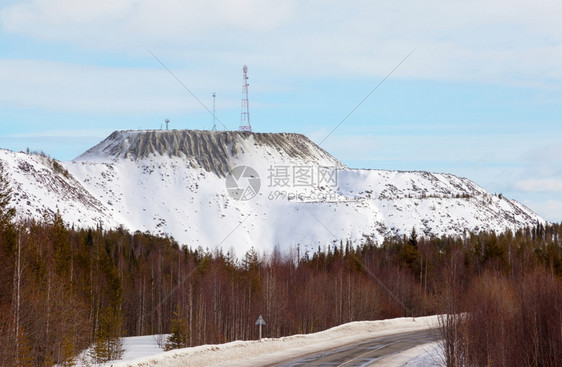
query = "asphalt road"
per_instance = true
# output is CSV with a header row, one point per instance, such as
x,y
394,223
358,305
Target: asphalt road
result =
x,y
365,353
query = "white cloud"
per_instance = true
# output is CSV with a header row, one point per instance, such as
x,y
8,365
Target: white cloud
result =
x,y
79,20
505,41
539,185
72,87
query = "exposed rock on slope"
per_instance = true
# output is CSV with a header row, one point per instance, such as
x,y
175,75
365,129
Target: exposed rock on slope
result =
x,y
211,150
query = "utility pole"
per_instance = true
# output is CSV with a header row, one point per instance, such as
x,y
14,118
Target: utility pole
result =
x,y
214,113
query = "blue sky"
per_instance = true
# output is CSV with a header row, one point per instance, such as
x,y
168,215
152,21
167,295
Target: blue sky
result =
x,y
481,96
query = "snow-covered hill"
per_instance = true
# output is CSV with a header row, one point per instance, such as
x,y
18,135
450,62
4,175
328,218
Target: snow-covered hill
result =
x,y
238,189
42,186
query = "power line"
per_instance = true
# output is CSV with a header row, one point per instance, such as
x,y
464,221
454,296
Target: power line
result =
x,y
186,88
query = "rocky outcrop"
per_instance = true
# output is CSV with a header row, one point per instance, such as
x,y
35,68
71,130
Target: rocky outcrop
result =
x,y
211,150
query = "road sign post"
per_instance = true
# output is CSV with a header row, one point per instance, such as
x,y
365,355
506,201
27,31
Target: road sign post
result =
x,y
260,322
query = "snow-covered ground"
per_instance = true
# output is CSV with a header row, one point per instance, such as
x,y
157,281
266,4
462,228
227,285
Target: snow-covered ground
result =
x,y
175,184
276,350
173,195
427,355
134,347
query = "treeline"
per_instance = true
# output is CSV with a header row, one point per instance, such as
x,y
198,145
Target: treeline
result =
x,y
63,290
512,320
508,312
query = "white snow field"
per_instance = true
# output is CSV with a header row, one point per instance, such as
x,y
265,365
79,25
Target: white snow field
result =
x,y
173,183
277,350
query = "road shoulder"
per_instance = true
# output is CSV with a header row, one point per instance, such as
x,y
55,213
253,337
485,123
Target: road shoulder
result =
x,y
278,350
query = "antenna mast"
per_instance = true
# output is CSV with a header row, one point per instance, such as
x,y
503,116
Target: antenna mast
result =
x,y
245,115
214,113
167,121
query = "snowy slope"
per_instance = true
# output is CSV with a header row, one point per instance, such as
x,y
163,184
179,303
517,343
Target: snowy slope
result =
x,y
41,187
174,183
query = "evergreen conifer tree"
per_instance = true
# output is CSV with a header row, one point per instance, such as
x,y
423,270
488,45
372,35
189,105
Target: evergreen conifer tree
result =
x,y
179,337
6,213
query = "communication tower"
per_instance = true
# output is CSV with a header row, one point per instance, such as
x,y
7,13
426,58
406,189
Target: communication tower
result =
x,y
245,115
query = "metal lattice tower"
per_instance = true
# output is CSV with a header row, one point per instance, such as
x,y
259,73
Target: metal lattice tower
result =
x,y
214,113
167,121
245,115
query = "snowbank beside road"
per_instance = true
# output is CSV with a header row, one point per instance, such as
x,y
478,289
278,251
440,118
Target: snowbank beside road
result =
x,y
427,355
269,351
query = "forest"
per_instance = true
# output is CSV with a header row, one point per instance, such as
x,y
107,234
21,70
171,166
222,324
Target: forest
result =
x,y
64,289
